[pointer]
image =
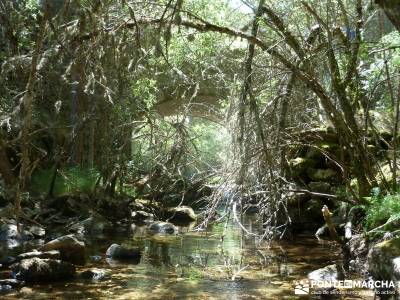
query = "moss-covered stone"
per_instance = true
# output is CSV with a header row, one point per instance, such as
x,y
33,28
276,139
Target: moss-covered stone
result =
x,y
319,187
322,174
317,152
383,259
390,248
299,165
181,214
326,134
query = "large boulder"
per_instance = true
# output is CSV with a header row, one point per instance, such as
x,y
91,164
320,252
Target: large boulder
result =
x,y
163,228
53,254
380,258
119,252
396,269
384,261
42,270
71,249
181,214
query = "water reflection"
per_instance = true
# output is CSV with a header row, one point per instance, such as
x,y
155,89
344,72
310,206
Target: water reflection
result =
x,y
220,263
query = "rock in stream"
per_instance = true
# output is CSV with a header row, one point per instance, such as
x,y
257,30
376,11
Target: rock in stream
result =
x,y
163,228
42,270
181,214
71,249
53,254
384,261
328,273
119,252
94,274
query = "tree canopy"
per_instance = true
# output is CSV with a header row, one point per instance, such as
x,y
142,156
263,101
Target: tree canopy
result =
x,y
157,97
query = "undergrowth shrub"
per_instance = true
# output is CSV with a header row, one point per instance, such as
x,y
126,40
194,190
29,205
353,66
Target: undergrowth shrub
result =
x,y
381,208
68,181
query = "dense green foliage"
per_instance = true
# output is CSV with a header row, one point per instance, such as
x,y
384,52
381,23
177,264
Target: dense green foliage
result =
x,y
381,209
68,182
158,99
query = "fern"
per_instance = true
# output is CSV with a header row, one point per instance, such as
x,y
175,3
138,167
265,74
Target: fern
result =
x,y
381,209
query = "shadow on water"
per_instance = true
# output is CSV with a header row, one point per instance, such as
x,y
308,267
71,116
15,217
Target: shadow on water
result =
x,y
194,265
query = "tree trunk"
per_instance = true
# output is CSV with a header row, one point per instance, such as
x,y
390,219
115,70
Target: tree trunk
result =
x,y
27,102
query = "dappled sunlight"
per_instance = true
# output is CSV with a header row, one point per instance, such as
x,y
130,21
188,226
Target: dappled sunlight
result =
x,y
197,265
199,149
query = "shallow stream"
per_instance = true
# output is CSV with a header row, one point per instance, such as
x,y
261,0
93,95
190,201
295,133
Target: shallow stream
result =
x,y
219,263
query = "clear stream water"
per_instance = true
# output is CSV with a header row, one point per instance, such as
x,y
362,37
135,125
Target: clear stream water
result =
x,y
194,265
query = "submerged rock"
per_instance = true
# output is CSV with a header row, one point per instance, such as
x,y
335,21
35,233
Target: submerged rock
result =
x,y
181,214
13,283
42,270
163,227
94,274
96,258
119,252
7,285
71,249
4,288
